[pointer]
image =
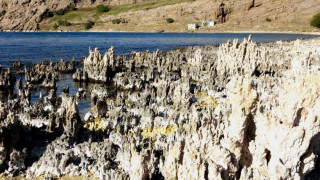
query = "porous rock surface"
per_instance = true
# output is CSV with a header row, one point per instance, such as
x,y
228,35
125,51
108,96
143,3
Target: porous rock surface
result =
x,y
97,68
237,111
7,79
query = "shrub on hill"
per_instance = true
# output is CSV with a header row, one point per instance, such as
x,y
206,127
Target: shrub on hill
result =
x,y
102,8
170,20
47,14
60,12
116,21
89,25
64,22
55,26
72,7
315,21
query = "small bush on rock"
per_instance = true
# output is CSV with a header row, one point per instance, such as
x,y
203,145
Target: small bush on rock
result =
x,y
47,14
60,12
89,25
72,8
64,22
102,8
170,20
315,21
55,26
116,21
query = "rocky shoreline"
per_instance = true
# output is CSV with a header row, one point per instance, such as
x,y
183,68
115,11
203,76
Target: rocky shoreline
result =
x,y
234,111
316,33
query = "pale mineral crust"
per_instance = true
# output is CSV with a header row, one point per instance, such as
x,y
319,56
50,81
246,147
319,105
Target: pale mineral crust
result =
x,y
97,68
238,111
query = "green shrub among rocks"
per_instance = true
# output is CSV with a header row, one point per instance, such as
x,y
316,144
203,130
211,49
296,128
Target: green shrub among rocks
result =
x,y
64,22
55,26
116,21
170,20
60,12
102,8
315,21
89,25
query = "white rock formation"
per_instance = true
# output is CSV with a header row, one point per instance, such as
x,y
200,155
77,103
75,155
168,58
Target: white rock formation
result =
x,y
240,111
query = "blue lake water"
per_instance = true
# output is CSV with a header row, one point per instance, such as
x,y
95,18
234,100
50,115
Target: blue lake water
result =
x,y
34,47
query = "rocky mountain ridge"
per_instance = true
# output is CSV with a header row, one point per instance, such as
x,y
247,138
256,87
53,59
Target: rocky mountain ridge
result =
x,y
263,15
27,14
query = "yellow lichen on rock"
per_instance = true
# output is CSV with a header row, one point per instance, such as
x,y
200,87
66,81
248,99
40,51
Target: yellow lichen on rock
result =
x,y
108,100
90,175
205,100
128,103
85,177
95,125
151,131
2,176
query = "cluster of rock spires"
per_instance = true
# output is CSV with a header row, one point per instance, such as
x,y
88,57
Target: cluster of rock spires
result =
x,y
237,111
7,80
96,68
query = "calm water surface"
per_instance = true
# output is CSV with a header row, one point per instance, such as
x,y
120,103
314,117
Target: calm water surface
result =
x,y
35,47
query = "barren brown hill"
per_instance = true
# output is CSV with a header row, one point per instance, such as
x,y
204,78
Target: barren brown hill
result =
x,y
151,15
27,14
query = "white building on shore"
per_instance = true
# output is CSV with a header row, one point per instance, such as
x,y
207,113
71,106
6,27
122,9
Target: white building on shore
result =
x,y
192,27
209,23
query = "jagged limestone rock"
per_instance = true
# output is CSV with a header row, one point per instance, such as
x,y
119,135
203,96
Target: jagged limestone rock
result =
x,y
70,115
97,68
237,111
7,80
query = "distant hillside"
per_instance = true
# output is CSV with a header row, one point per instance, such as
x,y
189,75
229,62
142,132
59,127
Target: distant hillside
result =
x,y
152,15
27,14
